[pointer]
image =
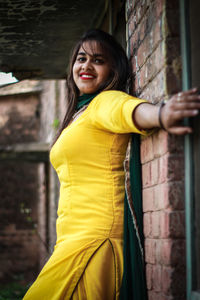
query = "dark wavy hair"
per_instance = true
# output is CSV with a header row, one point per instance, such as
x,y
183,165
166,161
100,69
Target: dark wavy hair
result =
x,y
120,69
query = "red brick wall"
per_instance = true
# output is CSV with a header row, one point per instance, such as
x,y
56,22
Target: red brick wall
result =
x,y
154,50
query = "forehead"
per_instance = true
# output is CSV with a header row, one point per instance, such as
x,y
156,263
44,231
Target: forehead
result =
x,y
91,48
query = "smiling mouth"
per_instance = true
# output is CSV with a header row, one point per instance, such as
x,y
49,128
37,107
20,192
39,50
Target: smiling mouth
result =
x,y
86,76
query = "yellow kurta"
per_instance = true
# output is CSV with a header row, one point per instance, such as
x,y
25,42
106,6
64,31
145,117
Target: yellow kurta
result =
x,y
88,158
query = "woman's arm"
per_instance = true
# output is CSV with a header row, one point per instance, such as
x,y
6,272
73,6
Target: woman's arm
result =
x,y
178,107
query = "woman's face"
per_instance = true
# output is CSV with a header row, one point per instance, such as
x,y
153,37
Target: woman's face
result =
x,y
91,68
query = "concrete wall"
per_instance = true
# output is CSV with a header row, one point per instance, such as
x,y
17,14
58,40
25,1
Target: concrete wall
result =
x,y
154,50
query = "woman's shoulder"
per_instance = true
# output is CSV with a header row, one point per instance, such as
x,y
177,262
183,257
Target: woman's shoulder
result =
x,y
112,96
112,93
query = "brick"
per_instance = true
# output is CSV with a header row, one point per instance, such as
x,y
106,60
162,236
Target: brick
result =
x,y
157,278
153,66
154,90
150,247
155,220
176,195
173,282
154,171
146,152
161,196
173,80
163,168
178,253
168,195
147,221
158,251
160,143
148,199
167,279
172,224
175,167
162,296
149,275
139,26
152,295
170,252
155,57
171,168
177,224
164,225
166,252
148,46
146,174
175,144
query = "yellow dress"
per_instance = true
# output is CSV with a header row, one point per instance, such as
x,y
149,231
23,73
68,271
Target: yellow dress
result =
x,y
87,262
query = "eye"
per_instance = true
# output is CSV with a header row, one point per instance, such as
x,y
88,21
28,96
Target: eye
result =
x,y
81,59
99,61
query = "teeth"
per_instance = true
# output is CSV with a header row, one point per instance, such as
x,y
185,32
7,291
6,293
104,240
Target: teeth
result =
x,y
87,76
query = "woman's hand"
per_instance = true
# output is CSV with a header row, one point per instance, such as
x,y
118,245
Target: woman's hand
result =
x,y
171,115
179,106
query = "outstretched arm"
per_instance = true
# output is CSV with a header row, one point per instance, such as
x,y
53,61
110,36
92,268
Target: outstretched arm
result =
x,y
179,106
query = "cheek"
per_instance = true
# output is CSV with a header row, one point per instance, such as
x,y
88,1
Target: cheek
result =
x,y
107,73
75,71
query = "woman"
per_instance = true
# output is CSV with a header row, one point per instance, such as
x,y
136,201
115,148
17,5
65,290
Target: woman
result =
x,y
87,262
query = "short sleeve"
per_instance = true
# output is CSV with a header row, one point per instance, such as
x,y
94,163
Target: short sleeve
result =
x,y
112,111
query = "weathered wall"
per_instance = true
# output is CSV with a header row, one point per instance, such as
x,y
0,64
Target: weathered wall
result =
x,y
19,251
52,110
154,49
29,112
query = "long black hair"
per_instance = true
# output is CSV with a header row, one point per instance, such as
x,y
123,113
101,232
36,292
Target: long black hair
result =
x,y
120,69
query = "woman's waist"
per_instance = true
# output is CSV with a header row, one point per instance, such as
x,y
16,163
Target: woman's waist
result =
x,y
89,225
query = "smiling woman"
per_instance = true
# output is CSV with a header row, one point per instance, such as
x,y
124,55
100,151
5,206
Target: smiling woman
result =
x,y
91,68
94,220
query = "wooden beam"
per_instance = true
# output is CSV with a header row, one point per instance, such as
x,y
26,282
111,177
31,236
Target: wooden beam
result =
x,y
34,152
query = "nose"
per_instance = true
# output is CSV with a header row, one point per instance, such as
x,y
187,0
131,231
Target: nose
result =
x,y
87,65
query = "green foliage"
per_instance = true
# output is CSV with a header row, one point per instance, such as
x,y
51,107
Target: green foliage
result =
x,y
56,123
12,291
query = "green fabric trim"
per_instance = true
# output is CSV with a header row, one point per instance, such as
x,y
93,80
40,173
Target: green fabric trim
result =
x,y
84,99
134,281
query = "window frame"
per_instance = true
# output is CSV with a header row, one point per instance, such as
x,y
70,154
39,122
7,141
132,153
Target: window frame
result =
x,y
192,294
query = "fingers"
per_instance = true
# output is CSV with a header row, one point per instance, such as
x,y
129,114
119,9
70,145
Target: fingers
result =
x,y
185,100
180,130
188,92
186,113
181,105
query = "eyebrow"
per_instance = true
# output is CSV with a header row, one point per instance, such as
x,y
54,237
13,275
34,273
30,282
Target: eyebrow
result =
x,y
94,55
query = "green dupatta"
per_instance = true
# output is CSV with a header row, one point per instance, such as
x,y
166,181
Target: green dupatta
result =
x,y
84,99
133,283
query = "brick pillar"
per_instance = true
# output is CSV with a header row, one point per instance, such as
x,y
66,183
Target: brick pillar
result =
x,y
154,49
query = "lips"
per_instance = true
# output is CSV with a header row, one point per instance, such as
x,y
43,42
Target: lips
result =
x,y
86,76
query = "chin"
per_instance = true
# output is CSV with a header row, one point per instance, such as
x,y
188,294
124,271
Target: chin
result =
x,y
89,91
